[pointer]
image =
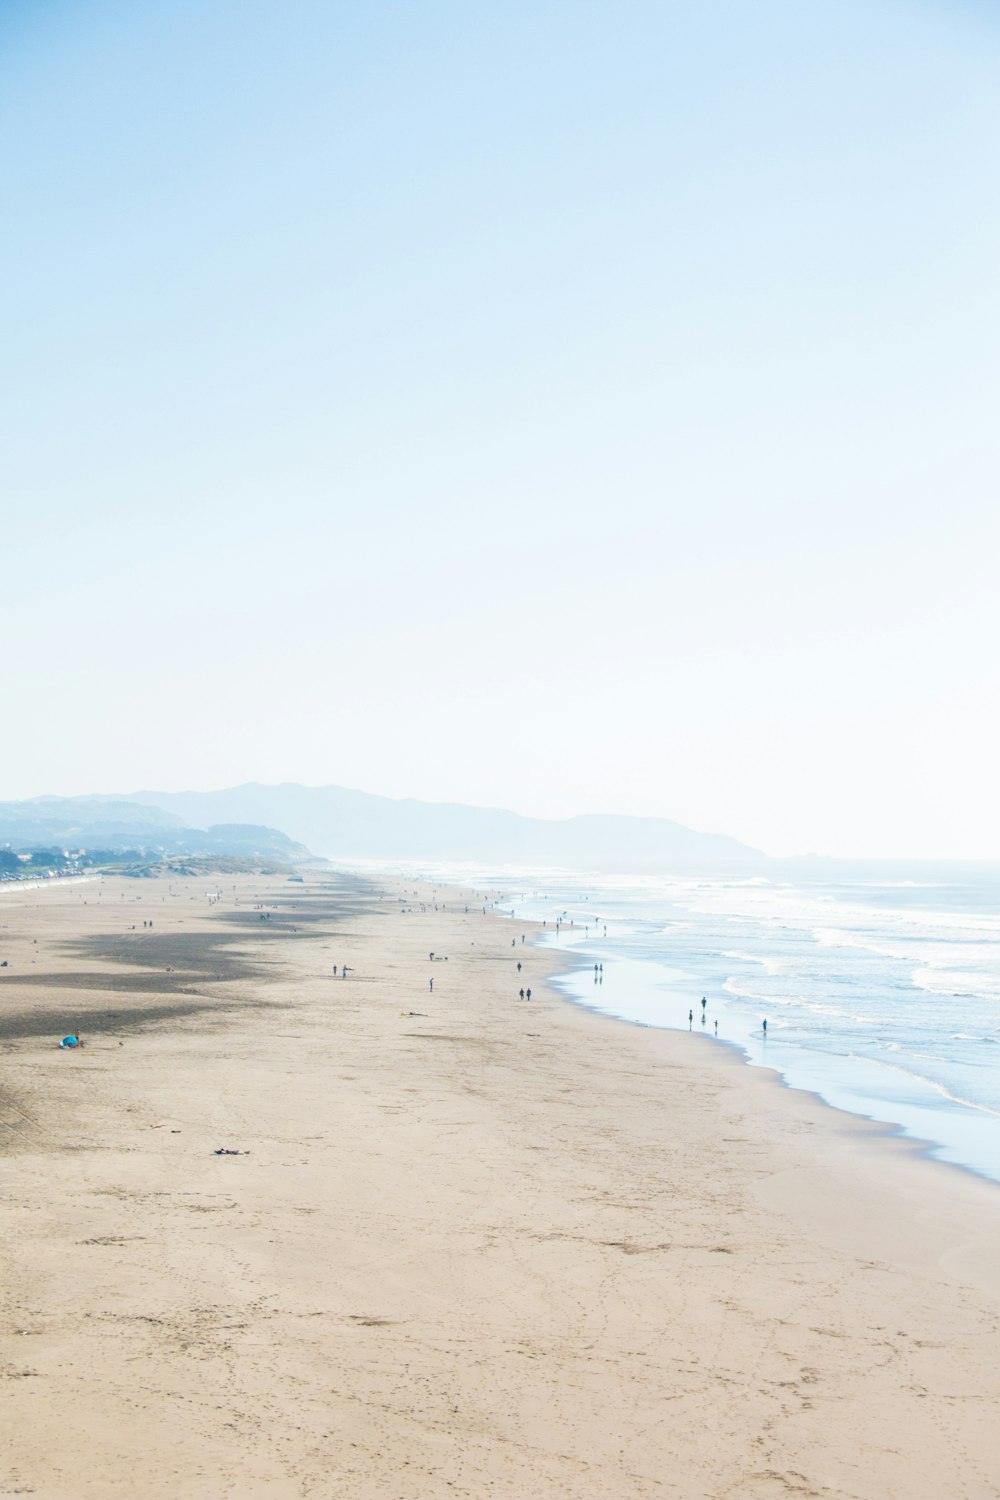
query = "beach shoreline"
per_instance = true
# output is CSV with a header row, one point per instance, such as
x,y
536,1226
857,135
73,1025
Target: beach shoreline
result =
x,y
848,1022
476,1245
920,1146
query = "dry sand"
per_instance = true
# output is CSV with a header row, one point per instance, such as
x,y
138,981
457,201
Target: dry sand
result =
x,y
494,1249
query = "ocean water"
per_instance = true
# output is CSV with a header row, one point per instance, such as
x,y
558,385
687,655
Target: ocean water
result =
x,y
881,996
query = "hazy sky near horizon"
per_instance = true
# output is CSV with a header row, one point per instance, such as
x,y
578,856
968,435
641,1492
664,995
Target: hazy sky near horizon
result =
x,y
565,406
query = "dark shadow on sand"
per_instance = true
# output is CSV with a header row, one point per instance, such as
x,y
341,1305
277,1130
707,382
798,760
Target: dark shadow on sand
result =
x,y
23,1025
169,964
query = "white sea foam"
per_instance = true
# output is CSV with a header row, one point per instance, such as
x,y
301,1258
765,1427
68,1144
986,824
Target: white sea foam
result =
x,y
941,1090
770,965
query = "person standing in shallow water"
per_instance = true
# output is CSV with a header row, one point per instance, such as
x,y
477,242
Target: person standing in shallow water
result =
x,y
765,1026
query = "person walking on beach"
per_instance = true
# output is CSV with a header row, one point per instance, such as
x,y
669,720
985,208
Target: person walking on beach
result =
x,y
690,1019
527,994
521,992
431,983
519,968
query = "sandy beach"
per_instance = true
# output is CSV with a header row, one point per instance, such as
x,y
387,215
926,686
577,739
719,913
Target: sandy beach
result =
x,y
478,1246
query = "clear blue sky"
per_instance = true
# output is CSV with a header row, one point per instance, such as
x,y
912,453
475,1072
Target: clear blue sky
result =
x,y
569,406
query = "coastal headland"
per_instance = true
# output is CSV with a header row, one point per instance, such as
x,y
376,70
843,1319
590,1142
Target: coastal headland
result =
x,y
456,1243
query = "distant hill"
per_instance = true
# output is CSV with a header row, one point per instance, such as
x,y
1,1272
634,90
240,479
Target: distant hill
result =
x,y
115,823
341,823
107,821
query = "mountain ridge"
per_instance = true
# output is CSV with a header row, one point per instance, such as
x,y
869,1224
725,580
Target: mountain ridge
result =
x,y
350,824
